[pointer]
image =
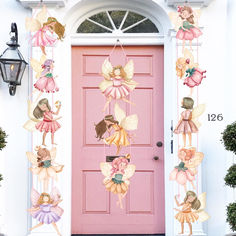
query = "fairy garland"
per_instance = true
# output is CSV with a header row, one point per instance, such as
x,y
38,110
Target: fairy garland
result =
x,y
45,32
193,206
118,83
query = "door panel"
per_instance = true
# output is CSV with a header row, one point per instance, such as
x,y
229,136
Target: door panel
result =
x,y
94,209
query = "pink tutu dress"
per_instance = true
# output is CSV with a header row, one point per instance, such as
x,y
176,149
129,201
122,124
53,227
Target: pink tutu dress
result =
x,y
118,89
46,84
46,214
194,77
43,37
186,125
48,125
182,174
188,32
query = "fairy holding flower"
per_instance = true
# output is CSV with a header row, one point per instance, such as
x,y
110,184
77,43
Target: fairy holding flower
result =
x,y
45,209
117,176
47,30
118,82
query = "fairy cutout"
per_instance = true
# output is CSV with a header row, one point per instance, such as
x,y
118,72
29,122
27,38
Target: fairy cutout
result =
x,y
46,125
47,30
187,168
189,71
120,137
45,79
188,122
43,165
45,208
118,82
186,24
117,176
192,210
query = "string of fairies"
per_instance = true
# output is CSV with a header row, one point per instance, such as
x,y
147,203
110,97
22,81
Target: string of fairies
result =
x,y
193,205
45,32
118,83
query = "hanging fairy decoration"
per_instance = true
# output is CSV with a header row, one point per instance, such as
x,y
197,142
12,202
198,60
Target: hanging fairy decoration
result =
x,y
46,30
44,165
188,122
118,82
120,137
48,124
117,175
45,208
187,168
44,75
188,70
186,24
193,209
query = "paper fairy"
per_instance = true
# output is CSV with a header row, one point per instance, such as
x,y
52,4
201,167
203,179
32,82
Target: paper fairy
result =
x,y
192,210
46,125
188,122
47,30
189,71
187,168
118,81
45,208
186,24
120,137
45,79
43,165
117,176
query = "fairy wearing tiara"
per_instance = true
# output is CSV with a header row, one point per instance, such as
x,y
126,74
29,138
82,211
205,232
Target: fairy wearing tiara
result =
x,y
117,83
188,122
192,210
45,208
189,71
120,136
47,30
45,79
117,176
43,165
49,124
185,22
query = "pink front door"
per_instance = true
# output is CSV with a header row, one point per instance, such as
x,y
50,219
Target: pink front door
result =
x,y
94,210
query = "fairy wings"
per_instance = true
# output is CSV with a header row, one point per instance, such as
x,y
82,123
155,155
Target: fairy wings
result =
x,y
203,216
194,162
107,69
37,65
197,112
55,197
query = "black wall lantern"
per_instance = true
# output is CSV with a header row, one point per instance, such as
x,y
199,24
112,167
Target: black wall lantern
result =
x,y
12,63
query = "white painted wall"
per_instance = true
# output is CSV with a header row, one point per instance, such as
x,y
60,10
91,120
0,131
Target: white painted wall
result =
x,y
216,55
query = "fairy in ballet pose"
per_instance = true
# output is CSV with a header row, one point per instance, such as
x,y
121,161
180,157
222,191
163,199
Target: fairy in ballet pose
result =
x,y
187,168
45,79
117,176
43,165
45,208
47,30
118,82
189,71
192,210
186,21
189,123
49,124
120,137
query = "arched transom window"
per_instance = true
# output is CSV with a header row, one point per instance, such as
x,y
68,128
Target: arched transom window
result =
x,y
117,22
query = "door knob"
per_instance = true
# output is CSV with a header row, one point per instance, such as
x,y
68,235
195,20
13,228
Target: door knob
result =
x,y
159,144
156,158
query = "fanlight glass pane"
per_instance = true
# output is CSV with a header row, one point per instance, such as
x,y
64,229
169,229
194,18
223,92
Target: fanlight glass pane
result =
x,y
145,27
89,27
132,18
117,17
102,19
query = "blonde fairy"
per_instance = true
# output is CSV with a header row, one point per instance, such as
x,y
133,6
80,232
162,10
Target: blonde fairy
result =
x,y
117,176
45,208
117,83
188,122
43,165
192,210
47,30
120,137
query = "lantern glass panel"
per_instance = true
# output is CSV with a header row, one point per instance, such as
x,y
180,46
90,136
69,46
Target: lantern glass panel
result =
x,y
12,69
